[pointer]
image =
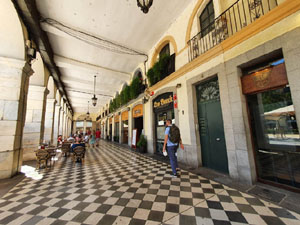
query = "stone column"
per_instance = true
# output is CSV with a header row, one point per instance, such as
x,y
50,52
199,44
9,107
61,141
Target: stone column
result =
x,y
66,133
68,127
49,120
105,129
74,127
61,122
14,79
129,126
84,126
120,129
35,121
56,123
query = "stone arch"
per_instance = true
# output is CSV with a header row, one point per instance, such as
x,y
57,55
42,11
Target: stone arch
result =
x,y
196,13
51,88
191,21
116,94
62,103
138,73
124,86
39,77
82,117
57,97
160,45
12,33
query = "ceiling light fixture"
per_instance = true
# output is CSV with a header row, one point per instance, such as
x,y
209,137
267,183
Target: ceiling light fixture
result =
x,y
94,99
144,5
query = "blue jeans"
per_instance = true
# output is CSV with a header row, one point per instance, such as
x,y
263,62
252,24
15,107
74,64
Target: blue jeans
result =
x,y
173,159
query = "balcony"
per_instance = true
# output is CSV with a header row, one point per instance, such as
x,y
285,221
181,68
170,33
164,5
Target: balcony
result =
x,y
235,18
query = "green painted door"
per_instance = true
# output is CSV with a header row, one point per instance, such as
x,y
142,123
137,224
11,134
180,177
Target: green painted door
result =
x,y
213,146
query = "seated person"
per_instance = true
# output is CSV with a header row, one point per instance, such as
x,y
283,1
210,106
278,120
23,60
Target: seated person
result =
x,y
76,144
71,139
59,140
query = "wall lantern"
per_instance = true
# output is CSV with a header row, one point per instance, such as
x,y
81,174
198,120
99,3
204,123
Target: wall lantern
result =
x,y
94,98
144,5
145,100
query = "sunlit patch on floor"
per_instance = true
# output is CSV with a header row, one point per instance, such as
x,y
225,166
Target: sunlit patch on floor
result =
x,y
31,172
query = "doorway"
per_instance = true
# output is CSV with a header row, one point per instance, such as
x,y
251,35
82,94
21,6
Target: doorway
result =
x,y
117,128
163,108
213,146
110,131
138,124
125,132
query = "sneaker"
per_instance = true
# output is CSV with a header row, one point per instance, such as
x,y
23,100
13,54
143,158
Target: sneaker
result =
x,y
174,176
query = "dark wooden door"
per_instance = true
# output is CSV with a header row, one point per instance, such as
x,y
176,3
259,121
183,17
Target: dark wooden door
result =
x,y
213,146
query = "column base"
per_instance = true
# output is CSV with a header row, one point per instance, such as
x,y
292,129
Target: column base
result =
x,y
9,163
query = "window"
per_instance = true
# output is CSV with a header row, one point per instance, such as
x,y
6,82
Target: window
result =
x,y
165,50
207,18
79,124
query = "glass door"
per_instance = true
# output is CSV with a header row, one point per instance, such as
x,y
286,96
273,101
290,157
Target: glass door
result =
x,y
276,136
161,118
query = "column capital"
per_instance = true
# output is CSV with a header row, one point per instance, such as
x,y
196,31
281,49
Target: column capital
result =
x,y
57,106
16,64
41,89
51,100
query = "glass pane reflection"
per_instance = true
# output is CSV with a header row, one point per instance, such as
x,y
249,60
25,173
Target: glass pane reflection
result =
x,y
276,136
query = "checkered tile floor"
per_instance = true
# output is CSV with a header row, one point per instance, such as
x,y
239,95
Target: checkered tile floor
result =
x,y
117,186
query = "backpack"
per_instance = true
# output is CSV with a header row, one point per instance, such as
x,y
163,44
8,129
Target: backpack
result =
x,y
174,135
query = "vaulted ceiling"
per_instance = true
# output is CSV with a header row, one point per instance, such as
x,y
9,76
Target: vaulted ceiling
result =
x,y
106,38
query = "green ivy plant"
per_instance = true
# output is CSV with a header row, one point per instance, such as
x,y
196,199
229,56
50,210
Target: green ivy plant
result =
x,y
127,94
159,70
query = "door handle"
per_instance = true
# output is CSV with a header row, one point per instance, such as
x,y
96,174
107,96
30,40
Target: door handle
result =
x,y
218,139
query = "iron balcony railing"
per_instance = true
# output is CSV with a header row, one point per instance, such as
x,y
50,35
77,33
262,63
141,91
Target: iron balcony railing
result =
x,y
235,18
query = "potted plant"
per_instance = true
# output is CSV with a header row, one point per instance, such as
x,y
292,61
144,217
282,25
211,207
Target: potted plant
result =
x,y
142,144
116,139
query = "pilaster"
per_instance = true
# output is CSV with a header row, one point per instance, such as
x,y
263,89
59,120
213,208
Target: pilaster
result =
x,y
35,121
14,80
56,123
49,120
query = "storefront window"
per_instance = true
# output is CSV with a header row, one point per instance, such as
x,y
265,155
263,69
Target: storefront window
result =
x,y
79,124
276,136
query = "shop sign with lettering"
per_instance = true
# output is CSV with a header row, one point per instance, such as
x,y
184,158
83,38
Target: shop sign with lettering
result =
x,y
137,111
163,101
117,117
